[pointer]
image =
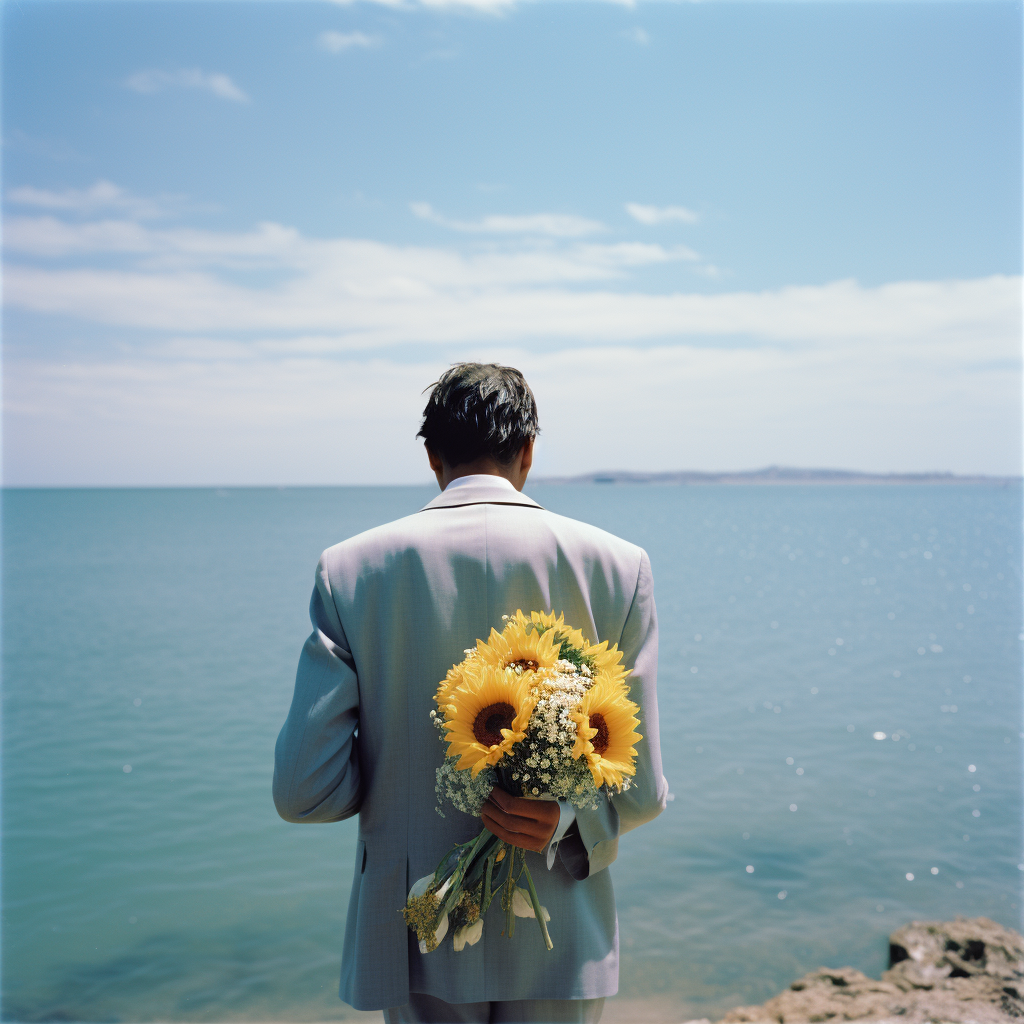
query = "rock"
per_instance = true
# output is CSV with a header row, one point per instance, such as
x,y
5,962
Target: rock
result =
x,y
969,971
920,954
842,993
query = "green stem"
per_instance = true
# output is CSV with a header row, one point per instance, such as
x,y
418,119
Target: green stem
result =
x,y
510,888
485,899
460,872
537,908
450,862
478,861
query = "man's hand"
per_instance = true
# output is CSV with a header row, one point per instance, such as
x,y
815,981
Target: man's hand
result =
x,y
528,824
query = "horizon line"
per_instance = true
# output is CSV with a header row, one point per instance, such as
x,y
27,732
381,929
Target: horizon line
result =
x,y
773,474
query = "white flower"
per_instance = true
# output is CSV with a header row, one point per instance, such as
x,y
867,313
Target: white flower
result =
x,y
522,905
420,888
468,934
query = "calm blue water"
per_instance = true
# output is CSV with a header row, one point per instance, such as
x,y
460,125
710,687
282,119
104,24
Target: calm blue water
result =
x,y
159,629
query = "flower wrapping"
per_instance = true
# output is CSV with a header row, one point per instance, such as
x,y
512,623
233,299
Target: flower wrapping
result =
x,y
542,713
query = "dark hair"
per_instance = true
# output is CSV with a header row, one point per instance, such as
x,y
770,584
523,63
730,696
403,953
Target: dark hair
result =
x,y
476,410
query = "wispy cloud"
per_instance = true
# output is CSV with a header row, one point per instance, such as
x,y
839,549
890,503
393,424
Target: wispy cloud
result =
x,y
101,196
554,225
481,6
661,214
217,84
638,36
338,42
378,294
362,269
221,414
246,338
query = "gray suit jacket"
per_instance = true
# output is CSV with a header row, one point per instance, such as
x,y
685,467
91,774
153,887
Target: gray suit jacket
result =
x,y
392,611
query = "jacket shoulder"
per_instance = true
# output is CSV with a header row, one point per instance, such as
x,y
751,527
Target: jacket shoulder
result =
x,y
593,537
376,543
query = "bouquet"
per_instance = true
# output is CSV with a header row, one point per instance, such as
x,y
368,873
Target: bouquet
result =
x,y
540,712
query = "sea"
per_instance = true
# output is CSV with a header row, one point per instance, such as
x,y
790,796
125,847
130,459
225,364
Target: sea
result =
x,y
840,698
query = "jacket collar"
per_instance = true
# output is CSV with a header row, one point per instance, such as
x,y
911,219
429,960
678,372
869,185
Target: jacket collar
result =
x,y
480,489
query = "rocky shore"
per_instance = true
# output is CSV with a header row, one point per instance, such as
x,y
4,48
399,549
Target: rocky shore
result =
x,y
967,971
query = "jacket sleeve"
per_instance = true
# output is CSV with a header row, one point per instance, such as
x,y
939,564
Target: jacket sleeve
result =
x,y
316,764
591,844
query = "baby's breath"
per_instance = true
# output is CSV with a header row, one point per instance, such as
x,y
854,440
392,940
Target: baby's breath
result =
x,y
545,758
460,789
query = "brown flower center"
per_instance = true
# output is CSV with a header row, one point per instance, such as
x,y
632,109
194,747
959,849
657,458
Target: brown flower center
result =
x,y
600,741
490,721
524,664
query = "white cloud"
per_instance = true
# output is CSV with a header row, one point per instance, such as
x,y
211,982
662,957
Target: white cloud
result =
x,y
660,214
376,294
48,236
386,294
555,225
480,6
218,376
213,422
634,254
187,78
103,195
379,294
365,267
845,405
638,36
337,42
262,420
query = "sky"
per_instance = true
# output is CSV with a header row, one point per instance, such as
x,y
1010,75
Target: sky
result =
x,y
240,239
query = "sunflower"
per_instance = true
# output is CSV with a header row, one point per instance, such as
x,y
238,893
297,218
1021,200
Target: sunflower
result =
x,y
447,685
487,715
605,724
563,633
604,661
518,647
607,664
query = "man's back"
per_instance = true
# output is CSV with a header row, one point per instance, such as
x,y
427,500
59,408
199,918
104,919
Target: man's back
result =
x,y
395,608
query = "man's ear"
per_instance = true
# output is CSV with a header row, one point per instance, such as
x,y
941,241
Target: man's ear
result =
x,y
435,460
527,455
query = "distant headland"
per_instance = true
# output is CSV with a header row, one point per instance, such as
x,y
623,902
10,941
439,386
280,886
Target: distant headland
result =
x,y
778,475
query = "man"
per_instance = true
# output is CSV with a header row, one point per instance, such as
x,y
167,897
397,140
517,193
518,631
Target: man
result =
x,y
393,609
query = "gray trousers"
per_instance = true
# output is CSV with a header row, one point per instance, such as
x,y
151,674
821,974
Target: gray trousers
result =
x,y
424,1009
